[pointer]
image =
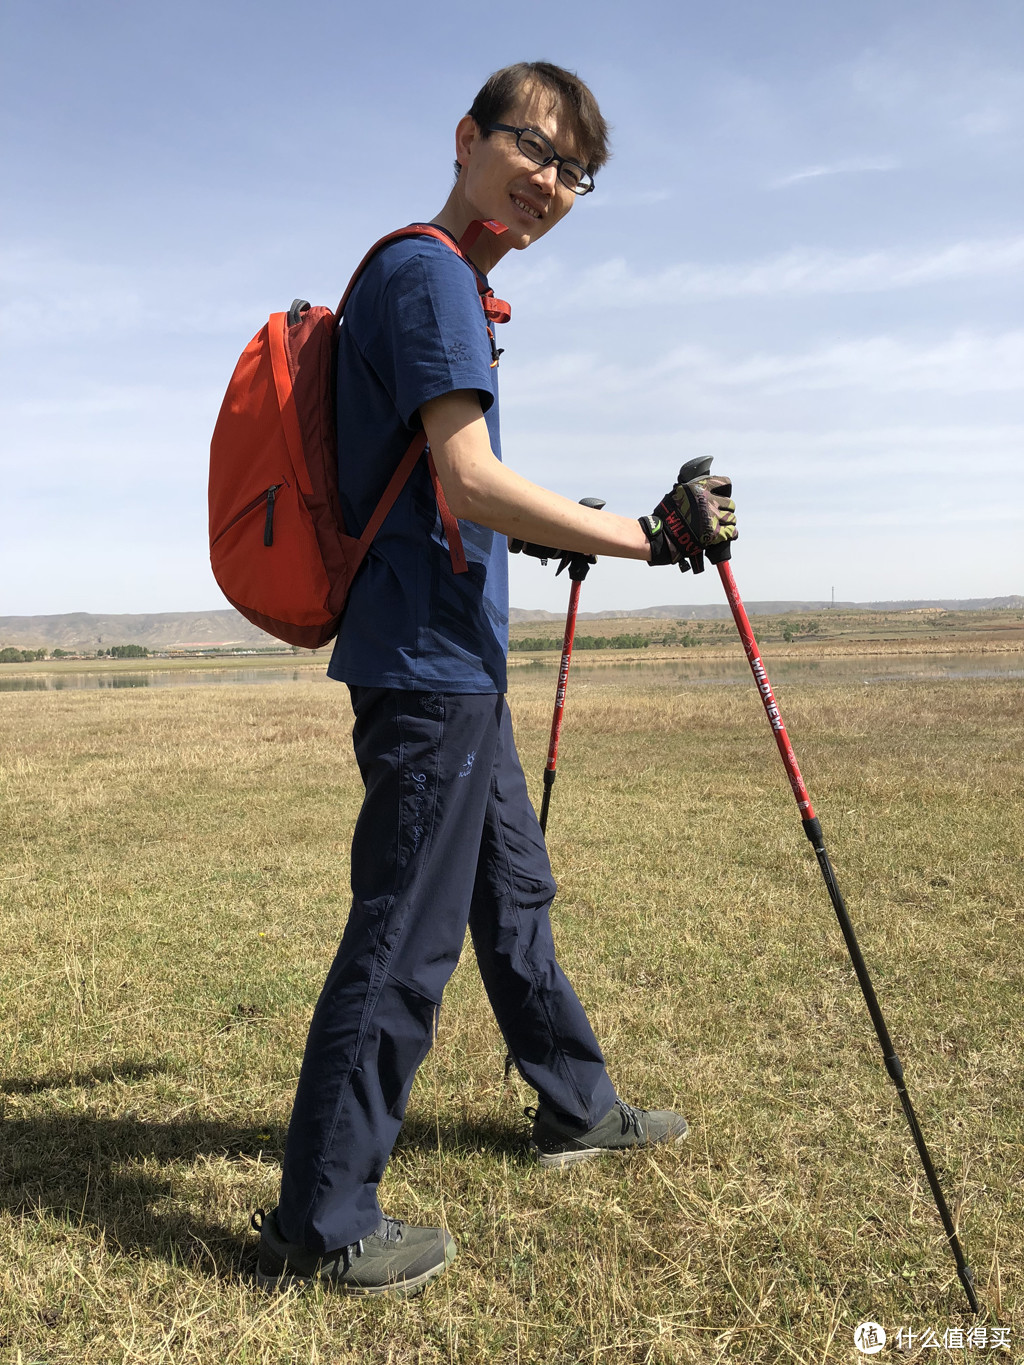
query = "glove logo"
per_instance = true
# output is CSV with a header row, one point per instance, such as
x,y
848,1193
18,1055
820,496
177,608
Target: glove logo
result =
x,y
681,534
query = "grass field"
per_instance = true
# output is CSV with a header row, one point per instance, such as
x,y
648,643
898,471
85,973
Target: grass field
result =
x,y
172,885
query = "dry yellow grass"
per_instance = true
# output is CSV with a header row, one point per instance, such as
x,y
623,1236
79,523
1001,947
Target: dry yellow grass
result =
x,y
174,881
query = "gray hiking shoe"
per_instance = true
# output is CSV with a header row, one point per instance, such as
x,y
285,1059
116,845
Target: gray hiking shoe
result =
x,y
558,1143
396,1259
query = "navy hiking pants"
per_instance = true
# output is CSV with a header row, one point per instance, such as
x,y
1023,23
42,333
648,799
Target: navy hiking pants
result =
x,y
446,837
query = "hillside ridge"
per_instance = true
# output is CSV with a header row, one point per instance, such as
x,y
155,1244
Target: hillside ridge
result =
x,y
82,631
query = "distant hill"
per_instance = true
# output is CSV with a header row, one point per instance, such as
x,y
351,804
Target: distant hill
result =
x,y
718,611
81,631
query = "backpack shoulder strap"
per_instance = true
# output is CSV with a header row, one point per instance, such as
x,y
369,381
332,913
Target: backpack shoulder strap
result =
x,y
495,310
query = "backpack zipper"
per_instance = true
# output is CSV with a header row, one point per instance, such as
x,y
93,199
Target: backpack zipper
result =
x,y
267,496
268,525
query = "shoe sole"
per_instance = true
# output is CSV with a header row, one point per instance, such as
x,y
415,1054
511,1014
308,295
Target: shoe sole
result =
x,y
570,1158
401,1289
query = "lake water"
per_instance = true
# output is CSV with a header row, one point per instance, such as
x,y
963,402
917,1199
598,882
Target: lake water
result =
x,y
897,668
185,677
700,672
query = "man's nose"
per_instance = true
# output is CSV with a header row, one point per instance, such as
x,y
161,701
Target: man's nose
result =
x,y
546,177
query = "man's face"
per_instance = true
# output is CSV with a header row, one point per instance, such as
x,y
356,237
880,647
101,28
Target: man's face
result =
x,y
498,181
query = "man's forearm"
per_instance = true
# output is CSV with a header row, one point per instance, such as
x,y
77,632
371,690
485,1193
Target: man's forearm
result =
x,y
480,488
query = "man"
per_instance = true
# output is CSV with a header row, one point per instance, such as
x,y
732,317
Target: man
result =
x,y
446,836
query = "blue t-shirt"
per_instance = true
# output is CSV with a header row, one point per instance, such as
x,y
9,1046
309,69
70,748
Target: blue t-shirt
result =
x,y
414,330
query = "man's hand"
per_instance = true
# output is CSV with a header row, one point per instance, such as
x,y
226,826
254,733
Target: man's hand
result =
x,y
578,564
575,561
690,519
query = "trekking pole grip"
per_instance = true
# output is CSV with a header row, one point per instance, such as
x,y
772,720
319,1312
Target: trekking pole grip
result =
x,y
697,468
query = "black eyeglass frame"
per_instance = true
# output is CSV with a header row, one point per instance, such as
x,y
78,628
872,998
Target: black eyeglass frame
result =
x,y
586,182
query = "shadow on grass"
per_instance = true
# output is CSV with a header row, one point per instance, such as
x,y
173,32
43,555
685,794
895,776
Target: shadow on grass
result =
x,y
67,1080
425,1133
124,1176
115,1175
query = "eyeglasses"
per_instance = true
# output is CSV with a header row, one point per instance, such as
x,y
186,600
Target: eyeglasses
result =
x,y
536,148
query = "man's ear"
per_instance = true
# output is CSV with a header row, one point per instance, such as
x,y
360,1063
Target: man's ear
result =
x,y
467,132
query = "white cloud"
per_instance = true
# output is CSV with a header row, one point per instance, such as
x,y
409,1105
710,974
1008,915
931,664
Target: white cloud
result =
x,y
64,298
839,414
959,94
106,400
828,467
802,271
73,298
965,362
850,166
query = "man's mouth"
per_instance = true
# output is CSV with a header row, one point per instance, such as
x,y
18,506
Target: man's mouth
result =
x,y
525,207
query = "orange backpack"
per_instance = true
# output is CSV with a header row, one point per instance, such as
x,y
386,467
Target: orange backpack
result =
x,y
278,547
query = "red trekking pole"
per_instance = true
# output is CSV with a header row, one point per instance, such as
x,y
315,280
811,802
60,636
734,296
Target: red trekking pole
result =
x,y
579,566
719,556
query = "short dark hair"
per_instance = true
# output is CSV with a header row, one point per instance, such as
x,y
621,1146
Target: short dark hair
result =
x,y
500,92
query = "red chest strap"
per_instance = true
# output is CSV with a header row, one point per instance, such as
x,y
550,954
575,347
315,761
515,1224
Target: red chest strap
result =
x,y
495,310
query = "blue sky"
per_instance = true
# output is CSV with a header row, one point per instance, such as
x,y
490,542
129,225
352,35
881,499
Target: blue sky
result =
x,y
805,259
